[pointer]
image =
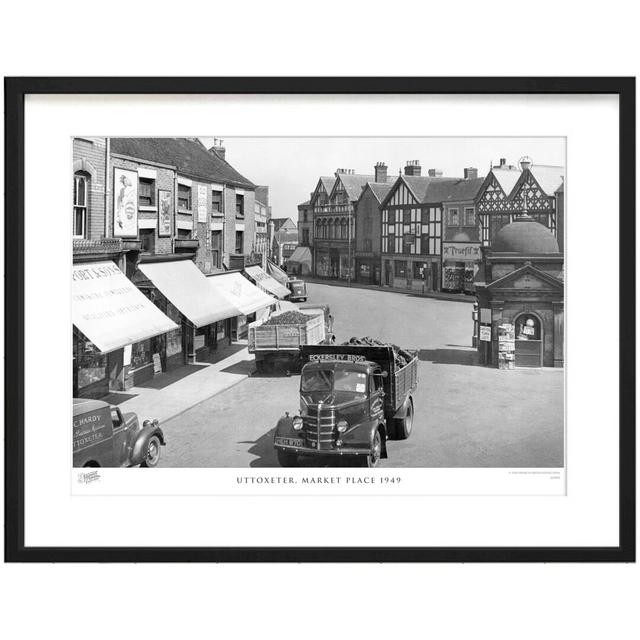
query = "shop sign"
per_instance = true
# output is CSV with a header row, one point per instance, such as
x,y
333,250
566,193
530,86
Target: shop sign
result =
x,y
164,213
485,333
461,251
485,316
125,203
202,203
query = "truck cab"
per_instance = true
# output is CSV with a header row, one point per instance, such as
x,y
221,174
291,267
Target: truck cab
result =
x,y
341,414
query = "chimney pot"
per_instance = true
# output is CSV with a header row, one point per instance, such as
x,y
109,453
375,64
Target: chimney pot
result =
x,y
412,168
435,173
380,171
470,173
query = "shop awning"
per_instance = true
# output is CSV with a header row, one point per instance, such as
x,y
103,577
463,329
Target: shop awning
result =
x,y
244,295
277,273
266,282
110,310
302,255
188,289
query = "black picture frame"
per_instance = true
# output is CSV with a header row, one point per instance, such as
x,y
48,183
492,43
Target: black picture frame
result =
x,y
16,89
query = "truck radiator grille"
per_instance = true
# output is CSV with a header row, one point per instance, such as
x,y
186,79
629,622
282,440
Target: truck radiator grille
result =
x,y
322,430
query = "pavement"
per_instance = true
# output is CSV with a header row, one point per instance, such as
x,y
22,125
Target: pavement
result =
x,y
169,394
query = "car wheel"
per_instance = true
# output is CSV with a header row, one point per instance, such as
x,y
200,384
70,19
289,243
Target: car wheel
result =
x,y
405,425
152,455
286,458
376,451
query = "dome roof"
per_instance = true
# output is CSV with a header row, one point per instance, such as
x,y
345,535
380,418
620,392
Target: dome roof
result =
x,y
525,236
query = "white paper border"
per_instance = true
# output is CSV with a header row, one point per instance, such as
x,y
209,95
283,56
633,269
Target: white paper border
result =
x,y
587,516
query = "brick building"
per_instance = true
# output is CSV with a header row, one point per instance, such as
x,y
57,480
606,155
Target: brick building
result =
x,y
368,215
100,288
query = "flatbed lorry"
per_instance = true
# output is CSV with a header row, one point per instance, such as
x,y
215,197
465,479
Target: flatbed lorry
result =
x,y
353,398
276,345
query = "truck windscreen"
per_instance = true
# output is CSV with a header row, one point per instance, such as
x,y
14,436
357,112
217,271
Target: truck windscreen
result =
x,y
333,386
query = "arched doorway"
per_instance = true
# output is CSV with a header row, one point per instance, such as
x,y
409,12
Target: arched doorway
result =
x,y
528,334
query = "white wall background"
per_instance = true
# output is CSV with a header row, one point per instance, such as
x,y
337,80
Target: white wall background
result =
x,y
328,38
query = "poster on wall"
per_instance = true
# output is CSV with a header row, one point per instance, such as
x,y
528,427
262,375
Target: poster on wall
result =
x,y
164,213
125,203
202,203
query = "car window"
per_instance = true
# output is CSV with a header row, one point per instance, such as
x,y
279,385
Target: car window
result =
x,y
115,418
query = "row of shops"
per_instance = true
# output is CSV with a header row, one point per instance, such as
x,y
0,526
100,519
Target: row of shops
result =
x,y
168,314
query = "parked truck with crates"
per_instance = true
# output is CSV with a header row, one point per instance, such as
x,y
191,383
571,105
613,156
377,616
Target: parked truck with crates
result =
x,y
353,398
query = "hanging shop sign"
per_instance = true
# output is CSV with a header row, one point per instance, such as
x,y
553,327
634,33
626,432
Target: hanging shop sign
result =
x,y
202,203
461,251
125,203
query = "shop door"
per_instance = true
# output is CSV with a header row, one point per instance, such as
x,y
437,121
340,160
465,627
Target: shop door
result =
x,y
528,341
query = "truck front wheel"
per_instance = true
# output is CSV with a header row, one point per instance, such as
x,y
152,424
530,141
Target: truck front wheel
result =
x,y
376,451
286,458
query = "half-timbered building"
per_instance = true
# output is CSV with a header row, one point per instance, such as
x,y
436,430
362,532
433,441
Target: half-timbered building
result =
x,y
509,191
413,227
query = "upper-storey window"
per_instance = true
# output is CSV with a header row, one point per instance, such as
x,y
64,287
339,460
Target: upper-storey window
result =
x,y
239,204
80,204
146,192
184,197
216,201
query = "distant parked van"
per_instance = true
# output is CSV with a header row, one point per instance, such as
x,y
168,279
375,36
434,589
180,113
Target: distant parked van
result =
x,y
105,437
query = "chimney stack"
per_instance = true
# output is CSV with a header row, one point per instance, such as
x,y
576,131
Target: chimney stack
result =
x,y
435,173
413,168
218,149
380,172
503,162
470,173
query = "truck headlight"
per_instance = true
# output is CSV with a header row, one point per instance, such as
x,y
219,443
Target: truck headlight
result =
x,y
342,426
297,423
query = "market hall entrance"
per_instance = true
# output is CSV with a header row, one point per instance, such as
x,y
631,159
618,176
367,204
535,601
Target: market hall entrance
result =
x,y
528,341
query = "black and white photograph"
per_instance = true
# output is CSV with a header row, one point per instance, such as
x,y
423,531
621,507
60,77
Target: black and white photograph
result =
x,y
269,302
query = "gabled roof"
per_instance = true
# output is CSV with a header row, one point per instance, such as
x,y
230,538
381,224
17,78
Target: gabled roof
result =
x,y
379,190
189,156
452,190
327,183
548,177
279,222
306,203
419,185
506,178
353,183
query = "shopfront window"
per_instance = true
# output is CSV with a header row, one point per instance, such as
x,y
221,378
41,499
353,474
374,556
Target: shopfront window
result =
x,y
174,338
528,327
141,354
420,270
90,363
400,269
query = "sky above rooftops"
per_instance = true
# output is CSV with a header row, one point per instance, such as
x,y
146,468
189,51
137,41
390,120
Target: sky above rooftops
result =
x,y
292,166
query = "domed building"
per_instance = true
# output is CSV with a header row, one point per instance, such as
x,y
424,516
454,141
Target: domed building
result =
x,y
520,292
